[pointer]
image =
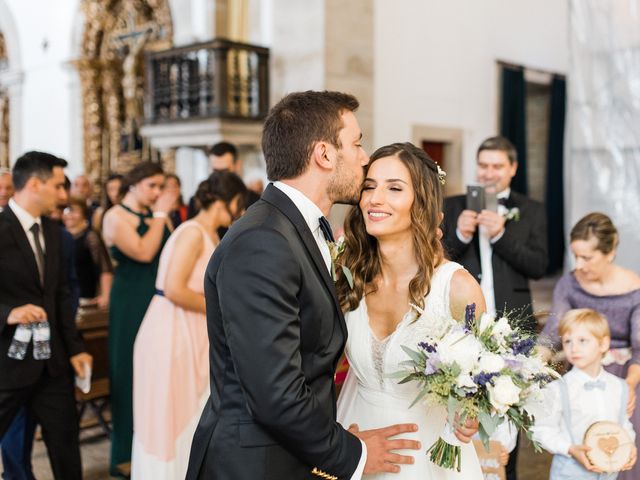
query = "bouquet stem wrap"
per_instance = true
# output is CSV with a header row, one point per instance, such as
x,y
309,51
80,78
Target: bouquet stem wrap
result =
x,y
445,452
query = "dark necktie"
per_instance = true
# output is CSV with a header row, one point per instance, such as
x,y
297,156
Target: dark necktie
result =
x,y
594,384
503,201
326,229
35,230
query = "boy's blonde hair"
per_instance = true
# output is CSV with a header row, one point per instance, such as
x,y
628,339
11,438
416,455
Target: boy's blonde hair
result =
x,y
595,322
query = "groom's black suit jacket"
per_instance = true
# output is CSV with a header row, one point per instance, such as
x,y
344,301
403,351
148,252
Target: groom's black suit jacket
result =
x,y
276,332
519,255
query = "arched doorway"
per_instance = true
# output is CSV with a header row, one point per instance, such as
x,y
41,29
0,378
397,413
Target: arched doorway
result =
x,y
111,70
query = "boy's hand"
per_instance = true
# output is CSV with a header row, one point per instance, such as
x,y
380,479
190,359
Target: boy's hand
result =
x,y
504,456
632,459
631,401
579,452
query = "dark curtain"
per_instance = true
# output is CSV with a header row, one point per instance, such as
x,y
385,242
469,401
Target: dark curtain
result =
x,y
554,198
513,123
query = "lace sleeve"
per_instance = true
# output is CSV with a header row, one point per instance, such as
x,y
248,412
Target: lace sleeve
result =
x,y
98,252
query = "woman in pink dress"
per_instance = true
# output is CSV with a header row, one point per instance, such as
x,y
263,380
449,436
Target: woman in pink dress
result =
x,y
171,364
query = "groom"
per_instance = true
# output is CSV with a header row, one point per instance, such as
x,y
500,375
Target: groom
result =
x,y
276,330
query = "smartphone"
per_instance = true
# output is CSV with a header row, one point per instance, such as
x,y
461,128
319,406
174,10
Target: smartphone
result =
x,y
475,198
490,199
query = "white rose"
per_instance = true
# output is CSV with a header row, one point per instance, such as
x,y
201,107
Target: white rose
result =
x,y
465,381
534,403
490,363
486,321
532,366
503,394
460,348
501,328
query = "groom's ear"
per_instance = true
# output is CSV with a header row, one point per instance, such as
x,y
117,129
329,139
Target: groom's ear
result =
x,y
321,156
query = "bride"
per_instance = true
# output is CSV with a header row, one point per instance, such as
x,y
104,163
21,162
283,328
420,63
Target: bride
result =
x,y
402,287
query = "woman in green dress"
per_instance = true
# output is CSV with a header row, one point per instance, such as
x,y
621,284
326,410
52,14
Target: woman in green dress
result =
x,y
135,232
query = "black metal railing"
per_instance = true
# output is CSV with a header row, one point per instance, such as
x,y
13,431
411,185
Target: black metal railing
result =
x,y
219,78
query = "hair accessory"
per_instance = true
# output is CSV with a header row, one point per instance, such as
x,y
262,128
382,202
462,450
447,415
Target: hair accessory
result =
x,y
442,175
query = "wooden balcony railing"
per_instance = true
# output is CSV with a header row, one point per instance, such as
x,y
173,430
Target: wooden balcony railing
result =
x,y
219,78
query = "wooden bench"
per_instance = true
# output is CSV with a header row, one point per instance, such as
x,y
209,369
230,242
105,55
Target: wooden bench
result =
x,y
93,325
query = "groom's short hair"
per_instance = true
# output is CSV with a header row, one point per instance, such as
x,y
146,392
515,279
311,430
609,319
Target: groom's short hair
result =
x,y
296,123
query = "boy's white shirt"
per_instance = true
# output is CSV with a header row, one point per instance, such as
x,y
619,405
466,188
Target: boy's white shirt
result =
x,y
506,434
587,407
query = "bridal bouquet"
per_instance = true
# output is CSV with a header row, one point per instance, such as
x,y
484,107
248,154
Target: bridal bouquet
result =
x,y
484,368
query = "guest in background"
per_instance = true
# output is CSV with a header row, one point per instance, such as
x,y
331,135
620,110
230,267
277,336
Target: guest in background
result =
x,y
222,156
599,284
180,212
33,289
18,441
585,395
110,197
82,188
68,246
93,265
171,353
6,187
135,231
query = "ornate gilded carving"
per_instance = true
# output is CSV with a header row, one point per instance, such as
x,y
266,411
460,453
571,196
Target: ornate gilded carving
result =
x,y
4,108
116,35
4,129
3,50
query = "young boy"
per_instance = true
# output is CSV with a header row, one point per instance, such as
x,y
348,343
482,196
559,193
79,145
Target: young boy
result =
x,y
584,395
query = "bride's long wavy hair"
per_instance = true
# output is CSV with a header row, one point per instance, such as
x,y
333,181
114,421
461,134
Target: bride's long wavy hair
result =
x,y
362,255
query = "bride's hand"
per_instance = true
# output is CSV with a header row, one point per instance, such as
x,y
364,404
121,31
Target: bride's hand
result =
x,y
465,431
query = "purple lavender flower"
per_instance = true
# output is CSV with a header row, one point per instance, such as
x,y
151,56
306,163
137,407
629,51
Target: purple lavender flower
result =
x,y
543,378
482,379
512,363
523,346
427,347
433,363
469,315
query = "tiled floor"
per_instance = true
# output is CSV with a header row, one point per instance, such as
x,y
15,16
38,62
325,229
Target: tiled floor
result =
x,y
95,448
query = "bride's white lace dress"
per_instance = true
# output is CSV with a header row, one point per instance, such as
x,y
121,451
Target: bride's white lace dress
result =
x,y
373,400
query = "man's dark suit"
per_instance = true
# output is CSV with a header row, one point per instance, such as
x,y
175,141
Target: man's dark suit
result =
x,y
519,255
276,333
45,385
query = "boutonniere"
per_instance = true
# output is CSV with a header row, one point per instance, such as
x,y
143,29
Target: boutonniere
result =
x,y
335,250
513,214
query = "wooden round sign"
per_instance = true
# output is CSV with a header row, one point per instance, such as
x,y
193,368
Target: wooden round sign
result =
x,y
610,446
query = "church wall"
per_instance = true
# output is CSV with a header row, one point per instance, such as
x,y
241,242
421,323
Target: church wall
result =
x,y
296,37
435,62
46,76
11,77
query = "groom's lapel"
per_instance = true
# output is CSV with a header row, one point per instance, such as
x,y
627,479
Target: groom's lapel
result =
x,y
278,199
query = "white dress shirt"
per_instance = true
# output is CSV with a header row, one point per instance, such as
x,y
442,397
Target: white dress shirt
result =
x,y
587,406
27,221
486,255
311,214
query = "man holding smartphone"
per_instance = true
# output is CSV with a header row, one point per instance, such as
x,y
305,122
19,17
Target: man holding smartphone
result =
x,y
504,243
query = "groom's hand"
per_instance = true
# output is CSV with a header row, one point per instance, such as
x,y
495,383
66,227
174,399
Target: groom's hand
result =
x,y
379,445
468,429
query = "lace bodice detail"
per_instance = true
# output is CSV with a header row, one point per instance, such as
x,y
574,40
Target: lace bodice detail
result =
x,y
372,359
